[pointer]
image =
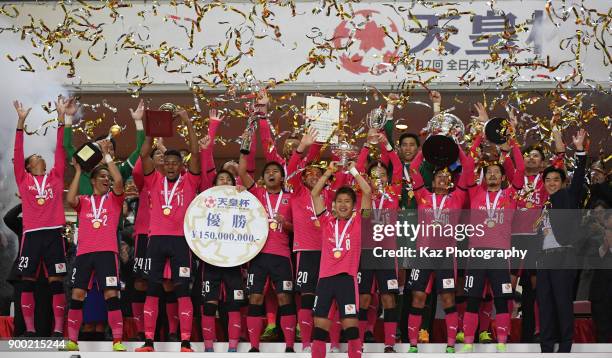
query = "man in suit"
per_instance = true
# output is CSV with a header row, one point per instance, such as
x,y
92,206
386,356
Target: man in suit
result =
x,y
557,262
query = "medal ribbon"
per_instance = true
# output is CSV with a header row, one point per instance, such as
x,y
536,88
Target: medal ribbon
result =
x,y
491,210
340,239
438,212
40,189
272,214
97,211
168,198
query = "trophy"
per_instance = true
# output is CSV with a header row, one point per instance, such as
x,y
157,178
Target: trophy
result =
x,y
496,130
89,155
345,151
247,136
445,131
159,123
376,119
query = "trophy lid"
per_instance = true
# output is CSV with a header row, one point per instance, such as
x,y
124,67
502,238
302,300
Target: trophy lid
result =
x,y
440,150
496,130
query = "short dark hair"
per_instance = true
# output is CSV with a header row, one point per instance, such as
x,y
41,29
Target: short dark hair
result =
x,y
276,164
154,151
499,165
27,161
552,169
348,191
112,140
374,164
410,135
537,148
173,152
223,171
96,171
310,165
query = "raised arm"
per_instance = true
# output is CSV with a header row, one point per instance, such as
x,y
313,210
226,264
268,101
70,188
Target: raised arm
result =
x,y
577,183
194,161
145,156
317,199
126,167
306,142
396,163
518,177
70,110
112,168
18,156
207,163
59,164
362,158
73,190
245,178
466,180
366,190
415,173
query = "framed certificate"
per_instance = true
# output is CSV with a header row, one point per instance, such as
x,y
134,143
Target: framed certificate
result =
x,y
324,114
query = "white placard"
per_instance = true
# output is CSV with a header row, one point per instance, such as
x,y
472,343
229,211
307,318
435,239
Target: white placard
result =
x,y
224,227
324,114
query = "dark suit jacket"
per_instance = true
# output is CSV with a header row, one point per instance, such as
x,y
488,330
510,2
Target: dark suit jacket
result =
x,y
565,218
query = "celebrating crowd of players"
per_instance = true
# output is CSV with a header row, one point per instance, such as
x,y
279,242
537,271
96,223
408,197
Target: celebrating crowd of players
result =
x,y
320,287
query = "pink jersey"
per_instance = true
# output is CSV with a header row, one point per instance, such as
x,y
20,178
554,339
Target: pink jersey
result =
x,y
43,204
529,205
450,212
167,218
348,259
306,233
532,197
278,238
98,234
498,236
143,215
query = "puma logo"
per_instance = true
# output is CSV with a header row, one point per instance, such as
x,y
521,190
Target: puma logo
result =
x,y
412,328
150,313
71,321
290,329
207,329
452,328
188,314
26,306
488,314
502,328
306,323
60,307
237,326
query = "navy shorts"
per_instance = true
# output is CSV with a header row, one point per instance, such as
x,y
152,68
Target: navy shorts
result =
x,y
343,289
101,265
308,263
275,267
173,248
42,247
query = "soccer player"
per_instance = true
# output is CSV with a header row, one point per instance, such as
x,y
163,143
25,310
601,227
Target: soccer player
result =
x,y
97,250
306,233
141,235
43,219
439,207
492,207
171,194
274,260
386,195
524,236
340,253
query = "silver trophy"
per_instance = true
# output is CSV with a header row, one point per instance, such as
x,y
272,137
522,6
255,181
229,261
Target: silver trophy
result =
x,y
247,136
376,119
446,124
445,130
345,151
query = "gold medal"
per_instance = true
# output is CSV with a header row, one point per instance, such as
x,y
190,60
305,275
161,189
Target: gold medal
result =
x,y
317,223
40,201
96,224
529,205
273,225
167,211
491,223
337,254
